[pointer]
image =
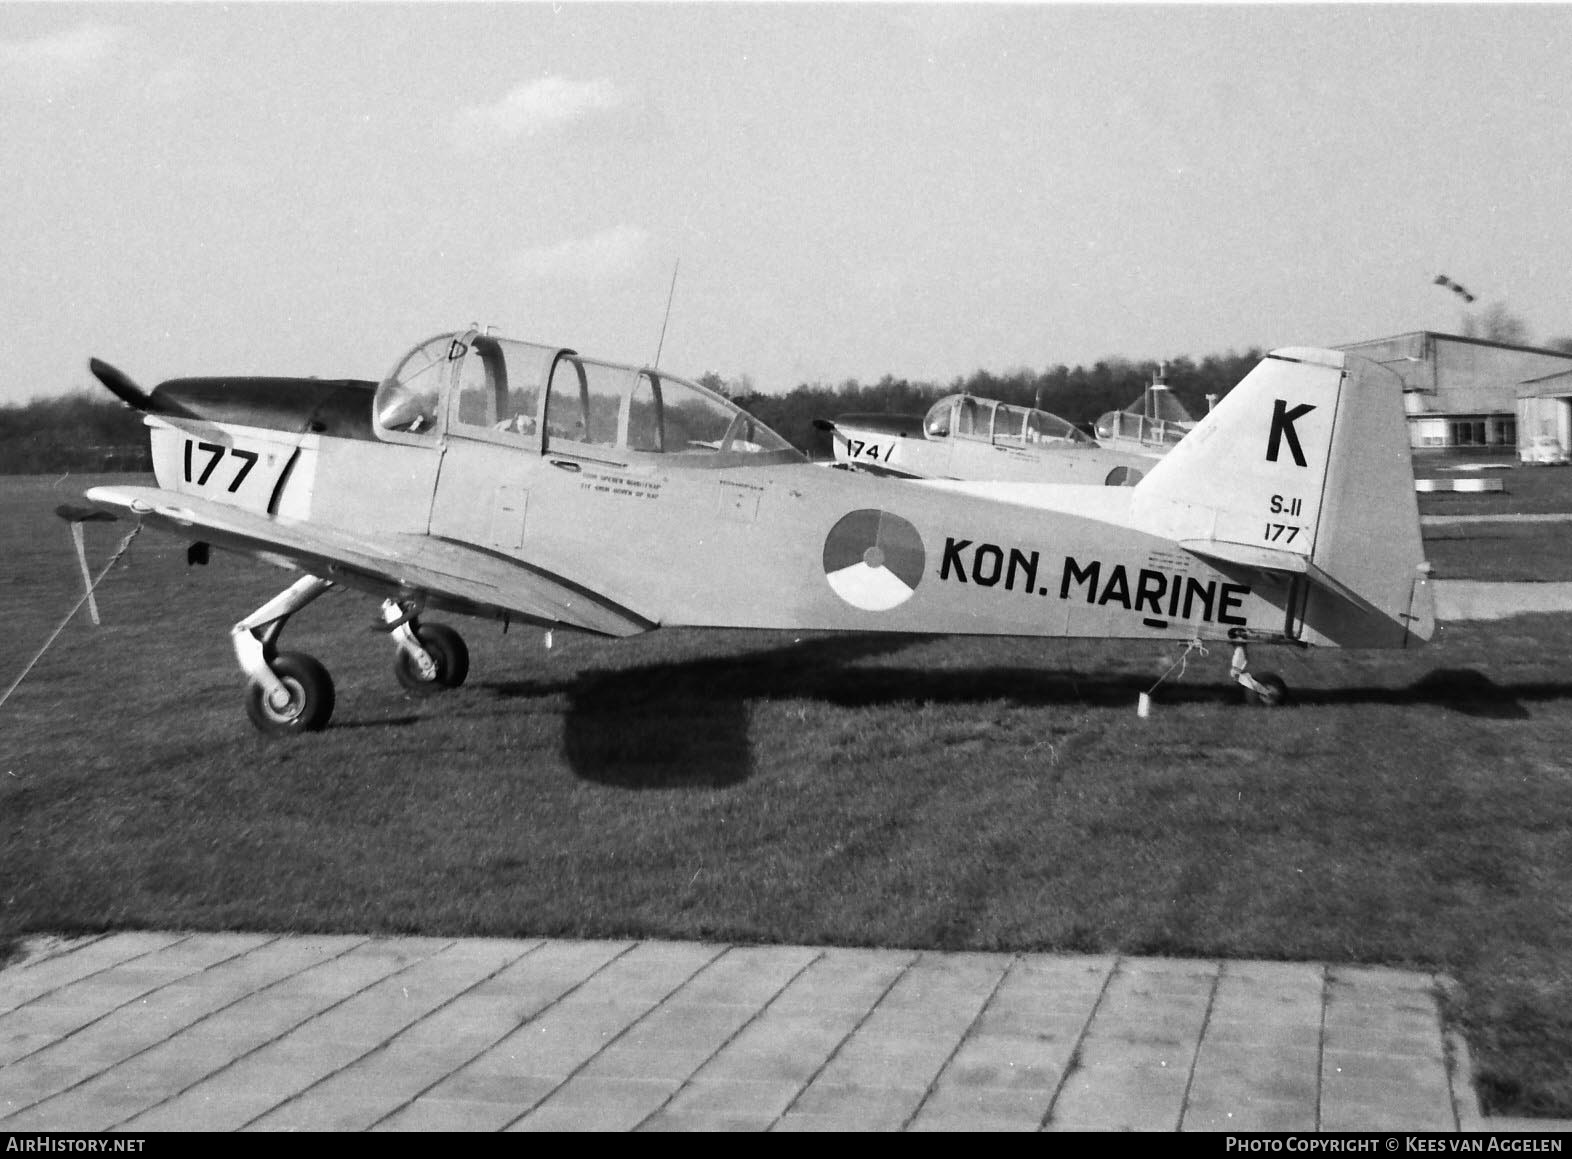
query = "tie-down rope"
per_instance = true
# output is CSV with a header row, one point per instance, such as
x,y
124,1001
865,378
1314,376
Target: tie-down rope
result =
x,y
87,595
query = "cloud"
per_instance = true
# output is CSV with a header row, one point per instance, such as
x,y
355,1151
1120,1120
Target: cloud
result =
x,y
172,83
536,108
612,254
940,28
61,59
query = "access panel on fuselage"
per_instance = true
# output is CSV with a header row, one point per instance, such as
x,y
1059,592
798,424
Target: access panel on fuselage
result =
x,y
482,493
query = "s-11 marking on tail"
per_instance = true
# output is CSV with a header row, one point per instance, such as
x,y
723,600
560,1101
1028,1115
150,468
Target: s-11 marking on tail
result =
x,y
524,482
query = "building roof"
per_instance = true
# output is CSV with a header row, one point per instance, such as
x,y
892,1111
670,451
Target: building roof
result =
x,y
1557,385
1422,335
1453,374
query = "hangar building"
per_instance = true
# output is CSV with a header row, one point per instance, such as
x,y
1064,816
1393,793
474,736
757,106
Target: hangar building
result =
x,y
1544,407
1464,393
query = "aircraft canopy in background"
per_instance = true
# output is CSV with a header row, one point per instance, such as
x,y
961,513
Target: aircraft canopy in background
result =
x,y
1150,425
1004,424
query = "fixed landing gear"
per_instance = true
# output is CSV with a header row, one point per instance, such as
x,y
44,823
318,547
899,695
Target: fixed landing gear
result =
x,y
446,659
1268,689
290,692
306,704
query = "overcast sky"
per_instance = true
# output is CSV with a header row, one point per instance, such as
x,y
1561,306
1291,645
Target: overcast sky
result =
x,y
851,191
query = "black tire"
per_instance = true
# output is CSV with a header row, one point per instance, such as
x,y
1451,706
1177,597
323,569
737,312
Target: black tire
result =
x,y
1123,477
1276,694
310,697
447,650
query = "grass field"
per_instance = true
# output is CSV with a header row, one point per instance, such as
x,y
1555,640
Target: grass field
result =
x,y
1412,809
1508,552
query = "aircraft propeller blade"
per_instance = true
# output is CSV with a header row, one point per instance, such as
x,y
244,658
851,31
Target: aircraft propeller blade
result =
x,y
120,385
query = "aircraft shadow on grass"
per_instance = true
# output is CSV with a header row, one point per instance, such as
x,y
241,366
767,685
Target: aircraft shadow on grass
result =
x,y
404,721
685,724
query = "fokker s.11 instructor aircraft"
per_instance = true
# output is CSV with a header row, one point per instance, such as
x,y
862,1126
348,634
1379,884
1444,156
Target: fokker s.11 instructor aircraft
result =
x,y
524,482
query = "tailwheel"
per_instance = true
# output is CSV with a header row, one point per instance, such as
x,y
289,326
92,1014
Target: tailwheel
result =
x,y
1271,692
303,702
449,657
1268,690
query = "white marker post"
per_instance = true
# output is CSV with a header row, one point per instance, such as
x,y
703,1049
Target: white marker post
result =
x,y
87,576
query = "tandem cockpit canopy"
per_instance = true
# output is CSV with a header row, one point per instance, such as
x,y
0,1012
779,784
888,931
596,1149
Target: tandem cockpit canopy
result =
x,y
1156,419
968,417
547,398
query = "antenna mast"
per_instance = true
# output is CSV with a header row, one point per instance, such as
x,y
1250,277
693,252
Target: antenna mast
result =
x,y
662,343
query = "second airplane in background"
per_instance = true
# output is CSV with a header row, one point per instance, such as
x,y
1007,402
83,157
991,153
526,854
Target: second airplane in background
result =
x,y
966,437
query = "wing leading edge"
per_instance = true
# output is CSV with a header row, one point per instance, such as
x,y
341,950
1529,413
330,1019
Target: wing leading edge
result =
x,y
450,575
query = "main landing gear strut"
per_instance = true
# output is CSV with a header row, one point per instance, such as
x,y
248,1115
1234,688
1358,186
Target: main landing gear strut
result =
x,y
290,692
1266,689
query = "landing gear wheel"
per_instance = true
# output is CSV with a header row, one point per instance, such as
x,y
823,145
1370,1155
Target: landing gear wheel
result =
x,y
310,701
1275,693
447,651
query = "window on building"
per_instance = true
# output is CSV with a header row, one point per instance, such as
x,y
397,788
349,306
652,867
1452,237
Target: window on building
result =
x,y
1469,433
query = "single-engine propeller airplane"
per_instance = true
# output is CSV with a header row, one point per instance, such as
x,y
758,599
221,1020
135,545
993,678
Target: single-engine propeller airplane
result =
x,y
524,482
964,436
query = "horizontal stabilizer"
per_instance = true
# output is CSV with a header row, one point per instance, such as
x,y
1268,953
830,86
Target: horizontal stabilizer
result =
x,y
1247,555
1273,559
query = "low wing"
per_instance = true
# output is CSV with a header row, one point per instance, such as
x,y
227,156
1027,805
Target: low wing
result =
x,y
448,575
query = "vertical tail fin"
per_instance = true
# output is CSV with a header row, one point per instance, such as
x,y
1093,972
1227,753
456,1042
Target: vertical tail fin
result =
x,y
1305,468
